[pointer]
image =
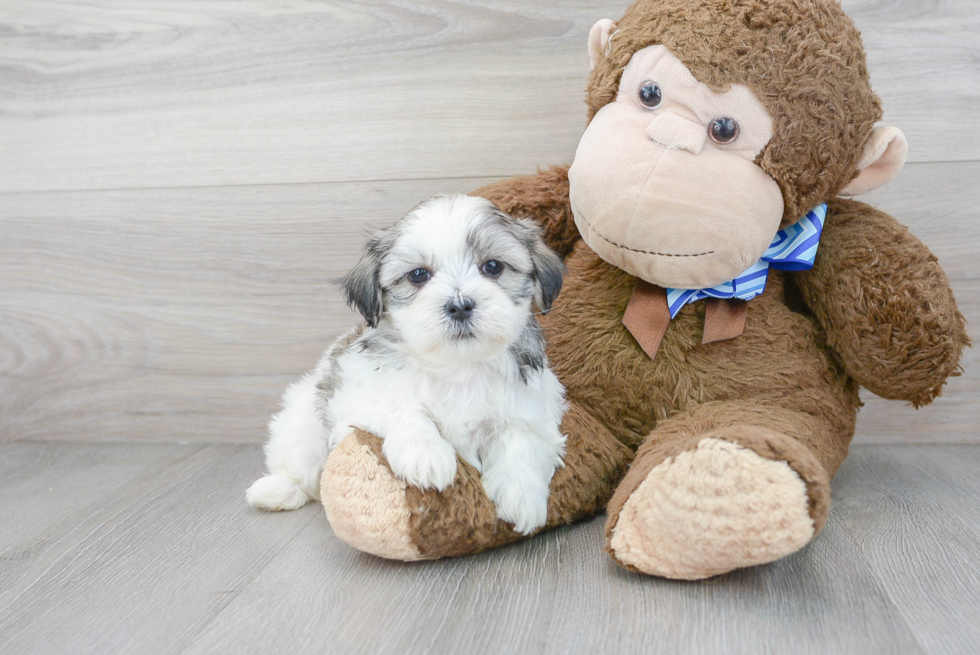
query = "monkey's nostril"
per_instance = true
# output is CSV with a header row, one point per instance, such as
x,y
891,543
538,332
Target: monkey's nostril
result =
x,y
460,310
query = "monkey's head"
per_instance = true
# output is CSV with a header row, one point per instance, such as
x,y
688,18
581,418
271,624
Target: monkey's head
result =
x,y
713,123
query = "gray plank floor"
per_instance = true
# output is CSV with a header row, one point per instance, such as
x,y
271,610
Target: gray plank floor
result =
x,y
140,547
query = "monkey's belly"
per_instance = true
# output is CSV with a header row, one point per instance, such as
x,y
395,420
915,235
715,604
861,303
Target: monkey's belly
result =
x,y
781,357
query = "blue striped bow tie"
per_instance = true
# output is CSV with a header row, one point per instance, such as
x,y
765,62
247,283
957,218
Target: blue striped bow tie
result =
x,y
793,249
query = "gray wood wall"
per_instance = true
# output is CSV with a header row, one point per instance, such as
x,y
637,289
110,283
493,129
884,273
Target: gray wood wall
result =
x,y
179,181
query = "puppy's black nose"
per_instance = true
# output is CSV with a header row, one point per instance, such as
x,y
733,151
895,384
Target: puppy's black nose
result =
x,y
460,310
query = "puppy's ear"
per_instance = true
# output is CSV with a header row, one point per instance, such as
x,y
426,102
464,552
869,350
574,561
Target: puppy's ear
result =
x,y
548,268
362,286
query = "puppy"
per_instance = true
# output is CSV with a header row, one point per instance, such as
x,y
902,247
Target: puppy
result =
x,y
451,362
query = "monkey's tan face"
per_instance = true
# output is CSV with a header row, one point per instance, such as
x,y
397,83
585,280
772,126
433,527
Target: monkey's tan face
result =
x,y
664,184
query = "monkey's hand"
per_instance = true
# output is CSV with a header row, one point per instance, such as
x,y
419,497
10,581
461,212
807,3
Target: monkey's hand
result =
x,y
885,304
542,197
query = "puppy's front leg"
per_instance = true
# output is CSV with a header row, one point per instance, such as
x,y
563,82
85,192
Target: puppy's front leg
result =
x,y
416,451
517,471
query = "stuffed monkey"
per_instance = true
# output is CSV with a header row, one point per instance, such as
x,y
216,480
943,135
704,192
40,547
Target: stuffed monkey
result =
x,y
723,303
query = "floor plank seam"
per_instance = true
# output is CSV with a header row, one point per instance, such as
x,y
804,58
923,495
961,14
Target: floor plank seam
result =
x,y
259,441
174,464
873,570
129,511
189,640
445,617
131,442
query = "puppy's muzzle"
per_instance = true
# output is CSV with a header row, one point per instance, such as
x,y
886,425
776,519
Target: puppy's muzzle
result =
x,y
460,310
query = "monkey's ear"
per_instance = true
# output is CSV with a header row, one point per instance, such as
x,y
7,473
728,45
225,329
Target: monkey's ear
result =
x,y
362,288
599,37
882,159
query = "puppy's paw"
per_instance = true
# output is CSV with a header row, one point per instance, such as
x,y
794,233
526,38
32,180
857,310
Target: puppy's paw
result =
x,y
520,499
427,463
276,492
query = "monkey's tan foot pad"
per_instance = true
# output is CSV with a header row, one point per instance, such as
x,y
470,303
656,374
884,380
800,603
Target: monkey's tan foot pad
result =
x,y
365,503
710,510
376,512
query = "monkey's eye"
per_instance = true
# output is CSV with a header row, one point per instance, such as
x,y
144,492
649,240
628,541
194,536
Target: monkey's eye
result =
x,y
492,268
650,95
723,130
419,276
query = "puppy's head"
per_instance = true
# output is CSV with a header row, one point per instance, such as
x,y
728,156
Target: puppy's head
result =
x,y
456,279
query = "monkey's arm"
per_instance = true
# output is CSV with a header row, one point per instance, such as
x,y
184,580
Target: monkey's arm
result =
x,y
885,304
543,197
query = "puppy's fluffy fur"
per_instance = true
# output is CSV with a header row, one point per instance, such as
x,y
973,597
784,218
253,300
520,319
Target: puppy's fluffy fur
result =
x,y
451,361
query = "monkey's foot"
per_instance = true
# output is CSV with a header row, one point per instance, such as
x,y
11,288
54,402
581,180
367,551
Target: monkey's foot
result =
x,y
719,506
365,503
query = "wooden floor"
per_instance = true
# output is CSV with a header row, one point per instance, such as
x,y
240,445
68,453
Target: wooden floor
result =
x,y
180,181
150,548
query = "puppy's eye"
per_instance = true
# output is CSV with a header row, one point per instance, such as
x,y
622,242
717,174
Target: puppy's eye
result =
x,y
650,95
419,276
492,268
723,130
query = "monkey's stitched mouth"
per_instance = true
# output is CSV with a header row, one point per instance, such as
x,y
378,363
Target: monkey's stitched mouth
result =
x,y
644,252
649,252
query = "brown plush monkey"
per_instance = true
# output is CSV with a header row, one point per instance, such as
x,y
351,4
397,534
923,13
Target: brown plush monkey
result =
x,y
710,437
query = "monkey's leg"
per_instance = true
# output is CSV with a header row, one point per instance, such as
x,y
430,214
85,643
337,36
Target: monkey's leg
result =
x,y
372,510
722,486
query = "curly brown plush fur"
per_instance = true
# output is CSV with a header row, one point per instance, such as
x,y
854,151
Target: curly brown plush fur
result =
x,y
886,305
736,441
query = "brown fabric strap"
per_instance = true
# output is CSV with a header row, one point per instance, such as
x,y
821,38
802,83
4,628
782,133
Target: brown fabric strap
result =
x,y
723,319
647,316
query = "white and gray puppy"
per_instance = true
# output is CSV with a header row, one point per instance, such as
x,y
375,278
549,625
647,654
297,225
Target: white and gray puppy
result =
x,y
451,362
